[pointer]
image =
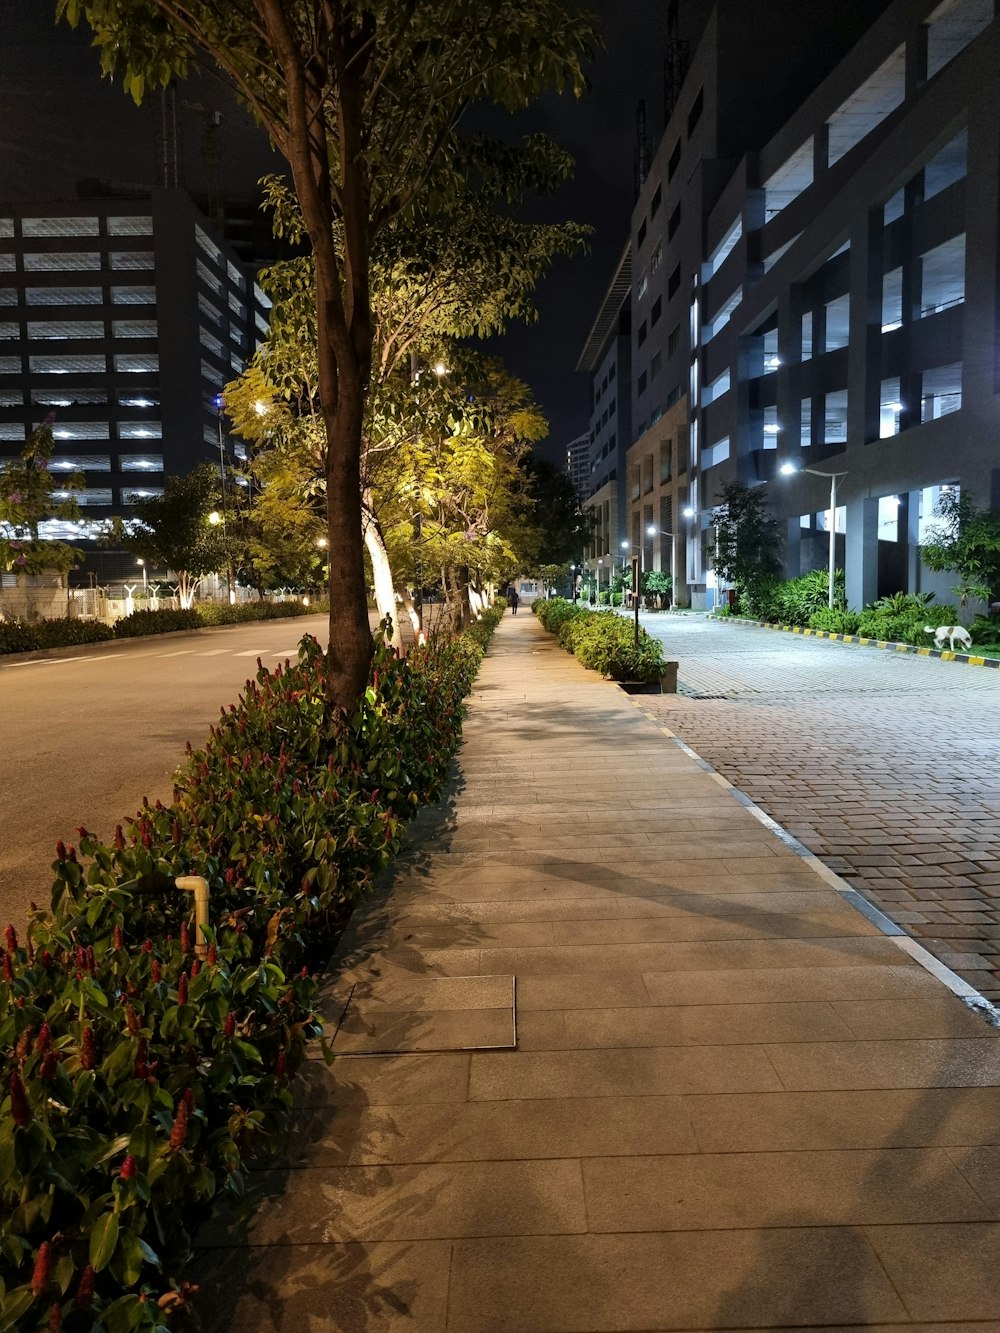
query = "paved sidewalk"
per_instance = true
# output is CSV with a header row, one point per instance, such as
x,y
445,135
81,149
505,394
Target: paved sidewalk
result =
x,y
733,1103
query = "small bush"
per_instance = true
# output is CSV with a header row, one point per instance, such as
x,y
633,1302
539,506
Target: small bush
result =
x,y
835,621
17,638
63,633
221,613
155,622
602,641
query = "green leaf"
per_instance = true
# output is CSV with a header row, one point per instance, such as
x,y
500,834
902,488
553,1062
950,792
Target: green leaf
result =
x,y
14,1305
103,1240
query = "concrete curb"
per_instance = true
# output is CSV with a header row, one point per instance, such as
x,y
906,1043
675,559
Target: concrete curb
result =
x,y
854,897
967,659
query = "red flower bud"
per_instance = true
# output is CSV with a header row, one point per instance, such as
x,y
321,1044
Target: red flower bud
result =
x,y
189,1100
10,936
147,946
185,938
61,850
141,1055
23,1048
132,1019
195,968
127,1171
43,1264
145,835
230,876
44,1039
182,989
179,1131
8,971
116,939
55,1319
212,955
46,959
88,1057
280,1065
156,972
49,1065
119,844
20,1110
175,833
85,1288
230,1024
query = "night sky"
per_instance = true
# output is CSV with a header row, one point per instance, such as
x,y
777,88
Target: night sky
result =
x,y
60,122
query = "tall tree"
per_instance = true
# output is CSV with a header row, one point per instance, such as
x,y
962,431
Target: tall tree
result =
x,y
748,542
363,99
966,541
27,500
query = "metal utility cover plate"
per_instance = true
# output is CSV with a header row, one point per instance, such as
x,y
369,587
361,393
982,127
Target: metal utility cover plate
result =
x,y
427,1015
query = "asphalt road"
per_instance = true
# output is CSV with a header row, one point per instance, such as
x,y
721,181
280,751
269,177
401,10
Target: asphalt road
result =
x,y
84,735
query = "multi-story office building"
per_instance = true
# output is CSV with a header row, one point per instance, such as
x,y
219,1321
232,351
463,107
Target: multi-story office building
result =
x,y
578,463
122,318
814,278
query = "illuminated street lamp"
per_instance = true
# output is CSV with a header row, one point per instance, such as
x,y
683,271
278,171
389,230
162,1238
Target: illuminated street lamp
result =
x,y
145,580
652,531
789,470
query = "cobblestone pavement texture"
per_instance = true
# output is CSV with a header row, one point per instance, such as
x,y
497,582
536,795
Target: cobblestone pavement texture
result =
x,y
884,765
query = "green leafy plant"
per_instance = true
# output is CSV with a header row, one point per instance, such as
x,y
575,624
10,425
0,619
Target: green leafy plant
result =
x,y
603,641
835,621
966,541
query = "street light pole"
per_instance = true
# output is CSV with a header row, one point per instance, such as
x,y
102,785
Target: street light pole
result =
x,y
788,470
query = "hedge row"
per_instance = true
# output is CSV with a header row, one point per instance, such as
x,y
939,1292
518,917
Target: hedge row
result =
x,y
139,1075
602,640
16,637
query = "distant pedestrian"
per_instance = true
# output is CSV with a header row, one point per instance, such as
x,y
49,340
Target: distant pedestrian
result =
x,y
513,600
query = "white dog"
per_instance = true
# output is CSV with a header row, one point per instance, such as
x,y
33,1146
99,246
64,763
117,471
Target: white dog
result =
x,y
951,633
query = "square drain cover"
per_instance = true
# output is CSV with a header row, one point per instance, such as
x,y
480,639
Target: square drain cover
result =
x,y
394,1017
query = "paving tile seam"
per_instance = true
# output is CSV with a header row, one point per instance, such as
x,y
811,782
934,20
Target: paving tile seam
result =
x,y
972,997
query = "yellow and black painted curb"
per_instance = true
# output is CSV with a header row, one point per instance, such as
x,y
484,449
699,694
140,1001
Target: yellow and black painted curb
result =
x,y
944,654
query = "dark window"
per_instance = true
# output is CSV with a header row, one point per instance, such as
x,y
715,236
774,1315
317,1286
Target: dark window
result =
x,y
611,443
642,234
654,203
642,333
673,339
612,371
611,407
642,383
697,107
656,365
674,222
604,383
654,314
675,160
674,396
673,282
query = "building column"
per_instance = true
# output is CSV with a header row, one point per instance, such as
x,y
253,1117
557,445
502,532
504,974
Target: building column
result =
x,y
861,552
914,564
793,547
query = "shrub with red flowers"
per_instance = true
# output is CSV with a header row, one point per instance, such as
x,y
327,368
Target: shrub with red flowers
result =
x,y
140,1068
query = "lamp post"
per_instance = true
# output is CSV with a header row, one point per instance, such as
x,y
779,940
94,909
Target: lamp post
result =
x,y
145,582
652,531
230,590
788,470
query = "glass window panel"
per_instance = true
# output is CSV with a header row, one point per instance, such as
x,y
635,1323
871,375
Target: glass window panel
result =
x,y
80,463
11,430
59,227
8,329
8,296
69,530
133,295
64,296
66,328
146,398
10,365
771,427
888,518
80,430
137,363
807,335
210,373
67,365
68,397
6,263
942,276
134,328
132,259
140,462
139,430
11,398
98,496
946,167
61,261
133,494
6,227
212,343
838,318
805,422
867,107
134,226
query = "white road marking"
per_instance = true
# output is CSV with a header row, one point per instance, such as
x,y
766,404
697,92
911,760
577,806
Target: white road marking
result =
x,y
181,652
214,652
252,652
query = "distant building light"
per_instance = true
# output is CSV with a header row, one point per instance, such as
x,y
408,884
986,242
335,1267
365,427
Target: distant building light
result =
x,y
896,324
771,428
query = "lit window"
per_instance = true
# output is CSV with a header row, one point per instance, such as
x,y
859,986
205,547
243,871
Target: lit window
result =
x,y
235,276
64,328
137,226
208,277
134,328
211,343
892,300
62,262
132,259
133,495
140,430
838,320
715,454
10,365
835,418
642,287
785,185
722,251
942,276
133,295
140,462
144,400
11,430
211,311
69,397
11,398
135,364
64,296
6,263
940,392
261,299
9,330
805,422
209,247
80,430
890,408
85,498
770,428
888,518
716,389
722,316
6,228
80,463
69,530
59,227
209,372
67,365
237,306
771,259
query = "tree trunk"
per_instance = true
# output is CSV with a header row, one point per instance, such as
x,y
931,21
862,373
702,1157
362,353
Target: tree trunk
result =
x,y
385,593
406,601
351,644
463,592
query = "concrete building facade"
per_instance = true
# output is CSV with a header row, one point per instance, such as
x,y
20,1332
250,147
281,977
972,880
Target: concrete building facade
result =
x,y
815,272
122,318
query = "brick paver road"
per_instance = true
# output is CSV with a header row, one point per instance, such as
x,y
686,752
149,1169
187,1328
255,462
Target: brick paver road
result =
x,y
884,765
